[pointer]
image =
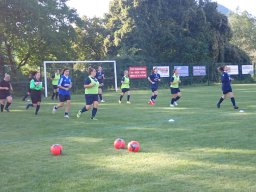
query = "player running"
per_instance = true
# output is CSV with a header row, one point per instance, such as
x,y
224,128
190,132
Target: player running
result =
x,y
226,87
174,85
5,93
100,76
154,79
55,80
36,87
125,87
64,86
91,86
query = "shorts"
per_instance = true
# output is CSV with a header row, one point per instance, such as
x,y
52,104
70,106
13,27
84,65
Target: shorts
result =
x,y
4,95
227,91
153,89
35,96
124,90
90,98
101,87
63,98
175,90
55,86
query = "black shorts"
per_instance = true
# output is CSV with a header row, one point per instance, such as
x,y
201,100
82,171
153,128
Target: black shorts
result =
x,y
63,98
55,86
124,90
90,98
225,91
4,95
35,96
153,89
175,90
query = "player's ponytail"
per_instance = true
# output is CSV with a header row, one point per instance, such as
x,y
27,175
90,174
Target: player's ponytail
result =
x,y
221,69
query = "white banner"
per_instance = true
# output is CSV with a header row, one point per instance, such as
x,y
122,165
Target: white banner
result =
x,y
183,70
247,69
233,69
164,71
199,70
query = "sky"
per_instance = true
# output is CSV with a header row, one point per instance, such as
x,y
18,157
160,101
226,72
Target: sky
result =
x,y
97,8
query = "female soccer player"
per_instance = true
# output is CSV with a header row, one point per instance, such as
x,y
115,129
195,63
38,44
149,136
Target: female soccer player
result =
x,y
175,91
36,87
5,95
55,79
154,79
100,76
64,86
91,86
125,87
226,87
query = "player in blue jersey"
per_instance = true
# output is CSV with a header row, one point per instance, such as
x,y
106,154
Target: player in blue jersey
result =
x,y
100,76
91,86
226,87
154,79
64,86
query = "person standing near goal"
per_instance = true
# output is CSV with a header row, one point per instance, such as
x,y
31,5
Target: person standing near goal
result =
x,y
55,80
174,85
5,93
91,86
154,79
36,87
125,87
100,76
226,87
64,86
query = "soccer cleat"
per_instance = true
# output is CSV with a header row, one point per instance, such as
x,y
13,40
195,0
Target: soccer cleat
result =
x,y
128,102
6,109
27,106
171,105
93,118
175,103
102,101
66,116
54,109
218,105
119,102
78,115
235,107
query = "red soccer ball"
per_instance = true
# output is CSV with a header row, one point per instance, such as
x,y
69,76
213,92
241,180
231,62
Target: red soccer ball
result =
x,y
56,149
119,143
133,146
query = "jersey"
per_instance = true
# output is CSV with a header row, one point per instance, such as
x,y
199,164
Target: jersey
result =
x,y
154,77
36,85
126,82
100,76
226,81
64,82
5,84
55,79
175,81
95,88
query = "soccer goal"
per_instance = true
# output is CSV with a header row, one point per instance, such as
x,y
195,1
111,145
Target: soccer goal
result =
x,y
80,66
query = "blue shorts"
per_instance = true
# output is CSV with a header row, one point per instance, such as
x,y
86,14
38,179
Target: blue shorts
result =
x,y
63,98
175,90
154,89
225,91
55,86
90,98
124,90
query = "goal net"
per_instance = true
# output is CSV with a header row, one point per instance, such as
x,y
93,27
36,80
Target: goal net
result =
x,y
78,73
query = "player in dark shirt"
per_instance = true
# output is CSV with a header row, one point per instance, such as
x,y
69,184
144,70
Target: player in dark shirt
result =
x,y
226,87
5,94
100,76
154,79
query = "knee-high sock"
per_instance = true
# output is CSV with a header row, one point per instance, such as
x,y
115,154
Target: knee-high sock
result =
x,y
220,101
2,107
37,109
7,105
233,101
177,98
94,111
121,97
128,97
83,110
100,96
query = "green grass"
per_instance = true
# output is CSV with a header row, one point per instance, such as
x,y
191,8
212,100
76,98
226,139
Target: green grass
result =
x,y
205,149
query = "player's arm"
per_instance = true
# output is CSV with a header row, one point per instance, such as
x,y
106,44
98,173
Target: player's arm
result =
x,y
11,87
89,84
149,79
60,86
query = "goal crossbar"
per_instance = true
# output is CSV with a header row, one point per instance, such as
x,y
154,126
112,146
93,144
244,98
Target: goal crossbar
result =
x,y
76,62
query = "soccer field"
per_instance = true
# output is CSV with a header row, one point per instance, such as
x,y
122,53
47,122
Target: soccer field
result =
x,y
204,149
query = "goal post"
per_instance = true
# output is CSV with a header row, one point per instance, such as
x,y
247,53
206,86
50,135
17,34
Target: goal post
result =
x,y
76,62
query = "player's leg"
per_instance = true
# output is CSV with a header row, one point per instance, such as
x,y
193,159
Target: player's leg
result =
x,y
128,96
95,108
232,98
68,106
2,102
8,103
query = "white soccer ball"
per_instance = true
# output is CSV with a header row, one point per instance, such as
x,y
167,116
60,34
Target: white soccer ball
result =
x,y
171,120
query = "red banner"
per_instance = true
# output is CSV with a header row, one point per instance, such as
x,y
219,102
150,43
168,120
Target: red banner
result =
x,y
138,72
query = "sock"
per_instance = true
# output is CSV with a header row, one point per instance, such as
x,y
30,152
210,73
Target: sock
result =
x,y
128,97
177,98
25,96
53,94
152,98
55,107
7,105
121,97
94,111
220,101
29,105
56,95
100,96
155,96
2,108
172,101
66,113
83,110
233,101
37,109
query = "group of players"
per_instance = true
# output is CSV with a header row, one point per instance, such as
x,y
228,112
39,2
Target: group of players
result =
x,y
93,86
